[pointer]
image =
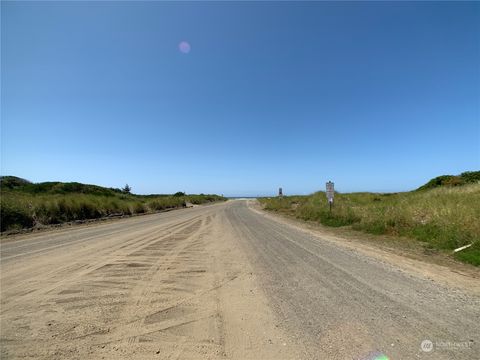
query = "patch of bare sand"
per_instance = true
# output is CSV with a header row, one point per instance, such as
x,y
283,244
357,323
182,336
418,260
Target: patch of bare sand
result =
x,y
183,290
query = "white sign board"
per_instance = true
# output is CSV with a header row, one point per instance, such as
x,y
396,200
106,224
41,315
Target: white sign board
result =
x,y
330,191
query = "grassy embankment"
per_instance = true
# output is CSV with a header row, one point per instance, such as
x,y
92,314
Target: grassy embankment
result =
x,y
444,214
27,205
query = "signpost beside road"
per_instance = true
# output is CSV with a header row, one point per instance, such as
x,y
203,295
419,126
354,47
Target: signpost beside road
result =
x,y
330,192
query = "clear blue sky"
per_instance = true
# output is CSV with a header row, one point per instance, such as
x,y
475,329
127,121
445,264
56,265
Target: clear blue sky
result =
x,y
374,96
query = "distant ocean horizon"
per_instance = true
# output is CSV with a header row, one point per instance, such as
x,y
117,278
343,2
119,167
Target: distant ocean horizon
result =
x,y
245,197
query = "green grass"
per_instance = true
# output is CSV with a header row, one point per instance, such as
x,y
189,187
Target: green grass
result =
x,y
442,218
26,205
470,255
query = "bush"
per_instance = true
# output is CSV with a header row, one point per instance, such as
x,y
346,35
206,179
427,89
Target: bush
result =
x,y
14,217
467,177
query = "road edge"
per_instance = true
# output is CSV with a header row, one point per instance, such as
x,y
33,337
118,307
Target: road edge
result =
x,y
463,277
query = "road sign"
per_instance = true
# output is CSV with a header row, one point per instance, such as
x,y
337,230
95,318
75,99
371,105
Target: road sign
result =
x,y
330,191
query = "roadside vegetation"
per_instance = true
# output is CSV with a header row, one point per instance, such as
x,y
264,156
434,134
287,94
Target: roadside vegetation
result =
x,y
26,205
468,177
443,217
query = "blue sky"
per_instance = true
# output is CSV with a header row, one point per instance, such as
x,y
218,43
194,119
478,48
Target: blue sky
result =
x,y
374,96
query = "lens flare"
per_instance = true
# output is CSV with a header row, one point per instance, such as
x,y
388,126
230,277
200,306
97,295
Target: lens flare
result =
x,y
184,47
376,355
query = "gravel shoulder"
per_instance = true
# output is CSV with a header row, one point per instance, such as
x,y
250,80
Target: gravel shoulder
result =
x,y
342,301
402,252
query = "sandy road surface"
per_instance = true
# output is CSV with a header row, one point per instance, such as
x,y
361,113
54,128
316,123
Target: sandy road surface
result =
x,y
220,281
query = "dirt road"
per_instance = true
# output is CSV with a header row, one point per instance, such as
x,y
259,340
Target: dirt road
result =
x,y
221,281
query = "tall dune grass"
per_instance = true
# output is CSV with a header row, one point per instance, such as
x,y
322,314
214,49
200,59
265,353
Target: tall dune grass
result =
x,y
24,210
